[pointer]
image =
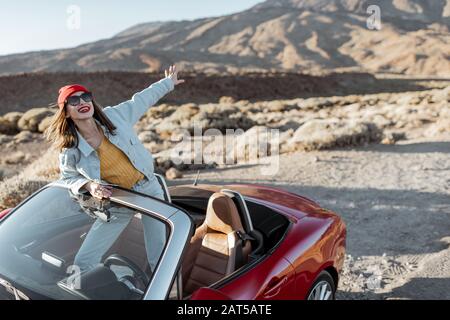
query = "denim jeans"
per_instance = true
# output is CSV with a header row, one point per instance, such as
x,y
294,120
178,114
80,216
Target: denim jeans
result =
x,y
102,235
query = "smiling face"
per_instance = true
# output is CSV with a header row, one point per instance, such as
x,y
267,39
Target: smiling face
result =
x,y
82,111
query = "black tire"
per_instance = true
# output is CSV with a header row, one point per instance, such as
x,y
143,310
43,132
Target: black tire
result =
x,y
324,276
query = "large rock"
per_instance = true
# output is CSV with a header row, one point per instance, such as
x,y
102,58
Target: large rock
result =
x,y
23,136
184,112
441,127
157,146
148,136
161,111
15,158
226,100
222,120
7,127
45,123
323,134
32,118
5,138
207,116
183,156
13,118
173,173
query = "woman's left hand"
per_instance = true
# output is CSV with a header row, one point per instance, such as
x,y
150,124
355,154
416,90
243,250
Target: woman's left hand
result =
x,y
172,74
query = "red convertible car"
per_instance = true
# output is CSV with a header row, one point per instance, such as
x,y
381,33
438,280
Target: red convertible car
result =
x,y
223,242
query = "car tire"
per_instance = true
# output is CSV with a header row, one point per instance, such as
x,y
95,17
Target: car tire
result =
x,y
323,287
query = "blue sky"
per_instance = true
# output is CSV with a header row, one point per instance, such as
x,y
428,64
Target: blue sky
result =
x,y
27,25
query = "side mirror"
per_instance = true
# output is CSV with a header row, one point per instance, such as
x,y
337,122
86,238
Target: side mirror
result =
x,y
206,293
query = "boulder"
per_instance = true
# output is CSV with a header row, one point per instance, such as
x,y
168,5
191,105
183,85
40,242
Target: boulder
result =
x,y
184,112
441,127
206,116
32,118
392,137
14,158
45,123
5,138
161,111
148,136
226,100
173,173
14,118
7,127
157,146
251,145
23,136
323,134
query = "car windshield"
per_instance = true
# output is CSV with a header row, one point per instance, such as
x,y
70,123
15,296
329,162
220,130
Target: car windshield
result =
x,y
60,246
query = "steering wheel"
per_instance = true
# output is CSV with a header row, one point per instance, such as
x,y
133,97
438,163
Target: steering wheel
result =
x,y
117,259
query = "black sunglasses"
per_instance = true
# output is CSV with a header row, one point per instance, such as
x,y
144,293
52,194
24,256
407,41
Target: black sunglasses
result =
x,y
75,100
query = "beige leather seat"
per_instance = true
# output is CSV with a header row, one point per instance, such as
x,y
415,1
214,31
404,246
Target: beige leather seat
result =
x,y
215,249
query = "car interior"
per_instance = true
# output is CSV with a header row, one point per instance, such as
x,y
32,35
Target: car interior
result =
x,y
231,232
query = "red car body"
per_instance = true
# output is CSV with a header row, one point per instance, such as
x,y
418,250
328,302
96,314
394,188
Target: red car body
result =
x,y
314,242
4,213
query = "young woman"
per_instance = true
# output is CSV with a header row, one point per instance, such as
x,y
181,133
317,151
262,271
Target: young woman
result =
x,y
98,147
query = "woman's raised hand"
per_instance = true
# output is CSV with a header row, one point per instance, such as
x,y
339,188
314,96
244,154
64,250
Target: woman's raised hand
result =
x,y
98,191
172,74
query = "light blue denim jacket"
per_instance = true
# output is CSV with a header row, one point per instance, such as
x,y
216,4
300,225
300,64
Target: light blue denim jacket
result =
x,y
81,164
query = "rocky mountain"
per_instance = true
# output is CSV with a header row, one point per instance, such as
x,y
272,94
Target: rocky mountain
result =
x,y
288,35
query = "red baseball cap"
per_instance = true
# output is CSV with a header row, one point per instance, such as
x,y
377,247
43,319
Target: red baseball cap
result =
x,y
67,91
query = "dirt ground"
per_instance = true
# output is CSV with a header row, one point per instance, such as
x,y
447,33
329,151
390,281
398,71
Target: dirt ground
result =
x,y
395,200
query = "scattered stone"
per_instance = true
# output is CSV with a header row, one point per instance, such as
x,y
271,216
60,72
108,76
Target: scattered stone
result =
x,y
183,112
173,173
226,100
15,158
392,137
161,111
442,126
5,138
23,136
148,136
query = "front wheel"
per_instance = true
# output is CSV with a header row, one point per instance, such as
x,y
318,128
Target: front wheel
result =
x,y
323,288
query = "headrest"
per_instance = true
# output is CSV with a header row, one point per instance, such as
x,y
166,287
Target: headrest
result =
x,y
222,214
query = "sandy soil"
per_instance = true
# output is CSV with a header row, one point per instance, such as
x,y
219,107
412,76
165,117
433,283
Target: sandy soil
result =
x,y
395,202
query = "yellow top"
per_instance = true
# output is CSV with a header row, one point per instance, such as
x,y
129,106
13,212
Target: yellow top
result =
x,y
115,167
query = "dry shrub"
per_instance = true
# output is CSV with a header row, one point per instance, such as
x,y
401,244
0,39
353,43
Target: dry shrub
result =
x,y
18,190
42,171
